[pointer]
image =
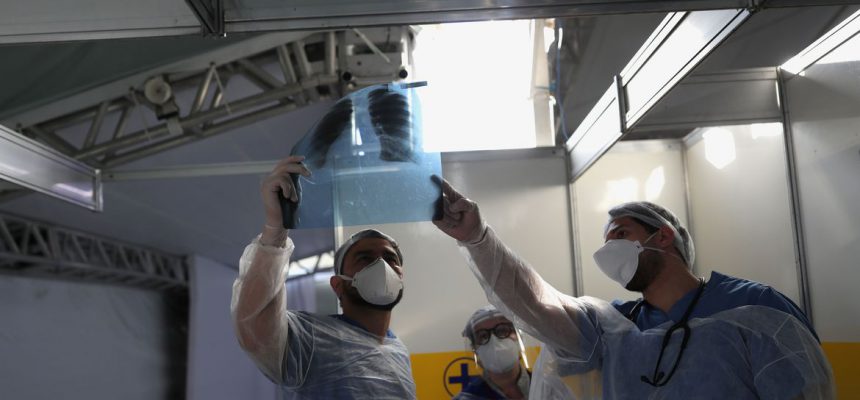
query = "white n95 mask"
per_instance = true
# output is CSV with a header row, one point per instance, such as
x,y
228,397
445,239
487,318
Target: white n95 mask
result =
x,y
377,283
619,258
499,355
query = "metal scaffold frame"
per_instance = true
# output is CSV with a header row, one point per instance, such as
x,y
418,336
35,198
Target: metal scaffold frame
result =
x,y
34,248
311,71
177,104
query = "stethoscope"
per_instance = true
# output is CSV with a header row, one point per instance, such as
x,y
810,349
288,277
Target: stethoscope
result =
x,y
656,378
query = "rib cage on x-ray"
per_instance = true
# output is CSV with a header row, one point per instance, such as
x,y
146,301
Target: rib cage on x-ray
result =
x,y
391,122
368,163
389,113
327,130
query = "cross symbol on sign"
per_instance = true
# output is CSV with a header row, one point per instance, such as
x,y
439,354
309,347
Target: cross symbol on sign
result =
x,y
464,377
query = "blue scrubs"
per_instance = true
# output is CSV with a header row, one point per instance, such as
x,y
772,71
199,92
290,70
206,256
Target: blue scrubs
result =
x,y
478,388
722,292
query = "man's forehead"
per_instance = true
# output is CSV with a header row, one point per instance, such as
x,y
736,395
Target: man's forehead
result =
x,y
490,322
372,244
619,222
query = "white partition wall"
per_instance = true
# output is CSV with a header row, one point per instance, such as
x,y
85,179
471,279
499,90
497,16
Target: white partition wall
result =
x,y
217,367
824,105
650,170
739,201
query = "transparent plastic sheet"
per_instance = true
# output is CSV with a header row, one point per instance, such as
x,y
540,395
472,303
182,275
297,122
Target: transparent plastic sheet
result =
x,y
368,163
593,352
311,356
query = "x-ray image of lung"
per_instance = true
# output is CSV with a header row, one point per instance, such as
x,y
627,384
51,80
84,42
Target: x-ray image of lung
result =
x,y
368,164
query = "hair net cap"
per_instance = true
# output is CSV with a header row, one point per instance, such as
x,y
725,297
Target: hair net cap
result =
x,y
480,315
656,216
365,234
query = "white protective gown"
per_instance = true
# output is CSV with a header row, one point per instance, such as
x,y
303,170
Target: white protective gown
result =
x,y
311,356
593,352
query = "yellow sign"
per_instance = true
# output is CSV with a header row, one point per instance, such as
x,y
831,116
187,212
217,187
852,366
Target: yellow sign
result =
x,y
843,359
438,375
459,373
443,375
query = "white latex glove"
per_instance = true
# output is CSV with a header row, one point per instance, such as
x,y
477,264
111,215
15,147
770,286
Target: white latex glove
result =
x,y
461,219
279,180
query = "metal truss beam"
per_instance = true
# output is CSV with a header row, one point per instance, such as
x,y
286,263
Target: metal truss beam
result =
x,y
34,248
308,76
123,127
111,144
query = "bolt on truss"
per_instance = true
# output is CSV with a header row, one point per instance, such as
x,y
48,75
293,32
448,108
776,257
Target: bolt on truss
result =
x,y
38,249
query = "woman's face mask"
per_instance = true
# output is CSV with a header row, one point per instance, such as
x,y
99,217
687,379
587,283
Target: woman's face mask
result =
x,y
619,258
377,283
499,355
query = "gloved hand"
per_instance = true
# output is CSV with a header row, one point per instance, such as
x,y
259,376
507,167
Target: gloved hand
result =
x,y
461,219
279,181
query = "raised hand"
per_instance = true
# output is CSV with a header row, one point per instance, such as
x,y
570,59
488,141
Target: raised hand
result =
x,y
279,180
461,219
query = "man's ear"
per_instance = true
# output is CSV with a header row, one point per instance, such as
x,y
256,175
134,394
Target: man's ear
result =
x,y
336,283
667,236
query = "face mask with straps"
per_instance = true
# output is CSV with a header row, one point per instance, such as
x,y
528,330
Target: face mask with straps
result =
x,y
377,283
619,258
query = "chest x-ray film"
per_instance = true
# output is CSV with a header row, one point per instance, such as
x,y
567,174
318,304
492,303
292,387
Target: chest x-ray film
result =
x,y
368,163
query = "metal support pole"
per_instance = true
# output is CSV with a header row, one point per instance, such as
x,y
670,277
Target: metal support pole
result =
x,y
203,90
796,209
96,125
120,124
288,71
259,76
53,140
304,65
330,54
688,203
